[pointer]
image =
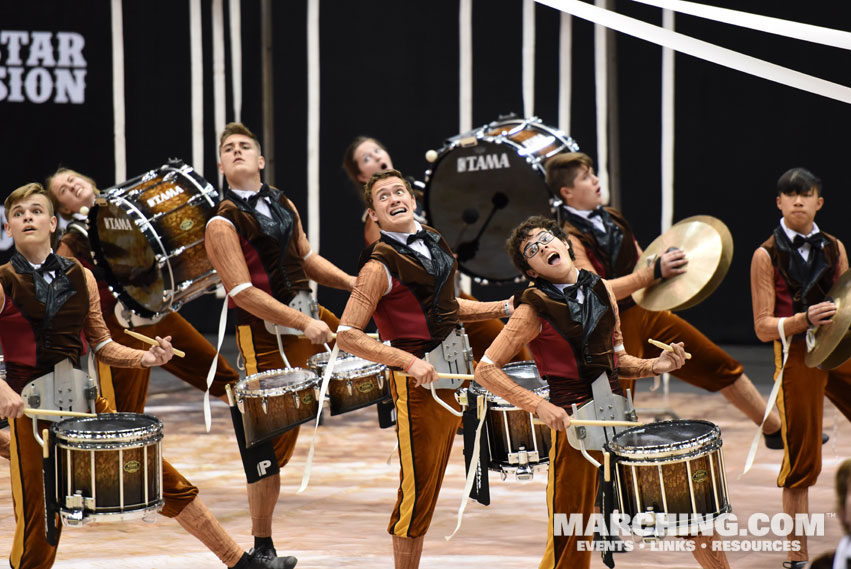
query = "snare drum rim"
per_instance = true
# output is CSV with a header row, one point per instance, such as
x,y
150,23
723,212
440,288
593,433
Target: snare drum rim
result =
x,y
679,449
500,403
371,368
106,440
241,389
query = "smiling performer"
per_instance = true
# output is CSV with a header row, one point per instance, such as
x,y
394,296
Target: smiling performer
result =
x,y
257,245
405,284
791,274
604,244
46,303
127,388
569,318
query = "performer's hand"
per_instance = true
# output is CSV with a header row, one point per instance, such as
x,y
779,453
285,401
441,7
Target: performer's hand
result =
x,y
11,404
673,263
670,361
554,416
422,371
821,313
158,355
318,332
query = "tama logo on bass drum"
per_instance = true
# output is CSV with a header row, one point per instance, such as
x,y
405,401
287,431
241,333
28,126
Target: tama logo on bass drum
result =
x,y
166,195
485,162
117,224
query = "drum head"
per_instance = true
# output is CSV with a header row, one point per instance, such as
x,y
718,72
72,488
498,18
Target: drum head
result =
x,y
276,382
525,374
664,436
117,425
354,366
491,182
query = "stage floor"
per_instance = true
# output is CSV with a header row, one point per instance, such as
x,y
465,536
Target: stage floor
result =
x,y
341,519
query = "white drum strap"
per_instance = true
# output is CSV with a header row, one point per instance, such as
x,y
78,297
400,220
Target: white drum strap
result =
x,y
281,348
223,320
326,376
481,413
772,398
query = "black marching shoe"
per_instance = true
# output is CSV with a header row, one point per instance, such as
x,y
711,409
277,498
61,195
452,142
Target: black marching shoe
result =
x,y
253,560
794,565
775,441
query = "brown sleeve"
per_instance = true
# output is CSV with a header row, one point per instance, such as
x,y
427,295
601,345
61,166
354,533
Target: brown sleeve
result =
x,y
763,299
64,251
629,367
842,262
370,286
474,311
523,327
622,286
111,353
225,253
316,267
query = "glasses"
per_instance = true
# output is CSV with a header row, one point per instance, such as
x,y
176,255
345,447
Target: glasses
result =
x,y
532,249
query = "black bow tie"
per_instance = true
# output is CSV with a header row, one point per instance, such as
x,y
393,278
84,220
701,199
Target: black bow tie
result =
x,y
51,263
422,234
814,240
595,212
264,192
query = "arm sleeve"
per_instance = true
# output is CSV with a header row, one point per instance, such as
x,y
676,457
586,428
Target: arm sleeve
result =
x,y
225,253
629,367
369,288
622,286
523,327
65,251
97,334
316,267
763,297
473,310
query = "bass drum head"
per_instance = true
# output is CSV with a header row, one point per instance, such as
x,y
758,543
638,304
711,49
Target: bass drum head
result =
x,y
126,255
473,182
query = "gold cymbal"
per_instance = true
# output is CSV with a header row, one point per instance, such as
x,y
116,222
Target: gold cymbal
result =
x,y
708,245
832,341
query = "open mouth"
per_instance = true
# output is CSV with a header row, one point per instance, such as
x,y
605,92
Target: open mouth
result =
x,y
383,166
398,211
29,229
553,258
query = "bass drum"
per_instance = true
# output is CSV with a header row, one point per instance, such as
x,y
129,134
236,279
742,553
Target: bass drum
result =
x,y
484,183
148,235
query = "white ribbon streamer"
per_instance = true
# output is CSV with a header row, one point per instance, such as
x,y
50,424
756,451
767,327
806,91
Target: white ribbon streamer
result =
x,y
223,320
481,410
326,376
702,50
772,398
785,28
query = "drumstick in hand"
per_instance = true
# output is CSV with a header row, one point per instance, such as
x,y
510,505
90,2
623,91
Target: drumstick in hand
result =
x,y
55,413
665,346
594,423
334,335
151,341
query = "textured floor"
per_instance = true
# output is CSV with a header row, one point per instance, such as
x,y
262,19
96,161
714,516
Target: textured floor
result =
x,y
340,521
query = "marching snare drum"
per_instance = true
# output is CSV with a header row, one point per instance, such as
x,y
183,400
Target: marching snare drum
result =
x,y
486,181
107,468
355,382
674,468
273,402
148,235
515,443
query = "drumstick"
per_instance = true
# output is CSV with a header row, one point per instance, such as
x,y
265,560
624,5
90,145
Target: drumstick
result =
x,y
46,447
334,335
55,413
594,423
607,476
446,375
151,341
665,346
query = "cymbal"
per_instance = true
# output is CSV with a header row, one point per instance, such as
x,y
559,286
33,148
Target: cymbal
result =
x,y
709,249
832,341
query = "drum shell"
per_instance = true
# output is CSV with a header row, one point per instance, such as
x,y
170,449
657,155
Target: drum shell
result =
x,y
363,383
686,478
267,413
115,473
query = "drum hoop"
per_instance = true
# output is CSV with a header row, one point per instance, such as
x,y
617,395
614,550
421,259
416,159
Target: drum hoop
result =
x,y
652,459
371,368
671,449
241,389
500,403
119,438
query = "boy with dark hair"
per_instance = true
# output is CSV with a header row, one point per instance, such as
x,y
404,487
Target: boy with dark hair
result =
x,y
569,318
604,244
791,274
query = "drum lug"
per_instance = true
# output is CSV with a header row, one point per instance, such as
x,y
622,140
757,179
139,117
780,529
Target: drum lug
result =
x,y
381,381
240,405
264,402
296,400
349,385
78,502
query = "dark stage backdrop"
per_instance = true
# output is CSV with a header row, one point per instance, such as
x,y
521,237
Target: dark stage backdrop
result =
x,y
390,70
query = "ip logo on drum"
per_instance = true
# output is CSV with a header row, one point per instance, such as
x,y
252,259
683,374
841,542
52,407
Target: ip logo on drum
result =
x,y
486,162
262,467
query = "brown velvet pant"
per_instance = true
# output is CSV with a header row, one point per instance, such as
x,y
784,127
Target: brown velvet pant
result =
x,y
30,549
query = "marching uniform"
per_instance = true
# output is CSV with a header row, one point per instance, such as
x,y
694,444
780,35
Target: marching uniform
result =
x,y
41,324
790,272
126,389
574,334
406,285
603,243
